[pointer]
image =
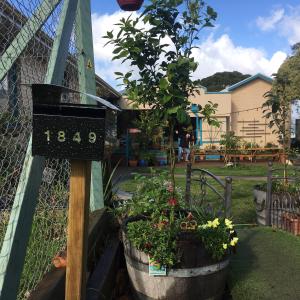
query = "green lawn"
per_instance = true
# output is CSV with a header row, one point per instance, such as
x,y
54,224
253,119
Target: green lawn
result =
x,y
243,210
248,169
266,266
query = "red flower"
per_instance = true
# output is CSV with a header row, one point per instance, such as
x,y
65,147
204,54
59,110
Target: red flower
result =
x,y
190,216
172,202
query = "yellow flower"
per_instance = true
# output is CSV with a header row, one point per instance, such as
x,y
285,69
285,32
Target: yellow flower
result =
x,y
204,226
225,246
231,231
228,223
215,223
234,241
209,224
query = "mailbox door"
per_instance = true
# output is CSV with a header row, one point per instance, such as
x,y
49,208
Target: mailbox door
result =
x,y
67,136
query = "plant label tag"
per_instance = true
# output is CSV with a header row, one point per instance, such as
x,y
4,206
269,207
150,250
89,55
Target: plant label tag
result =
x,y
156,269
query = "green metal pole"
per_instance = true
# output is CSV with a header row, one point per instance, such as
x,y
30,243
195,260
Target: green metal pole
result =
x,y
28,31
87,84
17,235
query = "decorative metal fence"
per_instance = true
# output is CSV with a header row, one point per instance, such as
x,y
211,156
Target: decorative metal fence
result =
x,y
28,29
283,206
204,189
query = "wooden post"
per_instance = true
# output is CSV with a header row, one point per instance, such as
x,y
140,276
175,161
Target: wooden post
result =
x,y
188,184
269,195
228,195
77,230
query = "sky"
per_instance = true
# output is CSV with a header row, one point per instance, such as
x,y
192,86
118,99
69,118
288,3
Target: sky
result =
x,y
249,37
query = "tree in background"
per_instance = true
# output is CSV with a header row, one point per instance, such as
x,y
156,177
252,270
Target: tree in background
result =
x,y
162,56
219,81
290,72
285,90
277,109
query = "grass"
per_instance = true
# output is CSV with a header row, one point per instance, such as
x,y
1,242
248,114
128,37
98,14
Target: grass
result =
x,y
248,169
266,266
243,209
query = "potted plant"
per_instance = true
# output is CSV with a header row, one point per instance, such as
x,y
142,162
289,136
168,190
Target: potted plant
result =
x,y
231,144
165,85
144,158
133,160
212,152
163,237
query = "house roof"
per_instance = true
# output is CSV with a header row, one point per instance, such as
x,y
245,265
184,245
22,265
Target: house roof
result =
x,y
247,80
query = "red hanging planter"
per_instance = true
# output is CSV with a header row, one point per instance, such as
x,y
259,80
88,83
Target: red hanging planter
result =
x,y
130,5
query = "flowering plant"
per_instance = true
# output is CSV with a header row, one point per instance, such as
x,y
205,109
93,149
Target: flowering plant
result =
x,y
218,236
163,218
154,196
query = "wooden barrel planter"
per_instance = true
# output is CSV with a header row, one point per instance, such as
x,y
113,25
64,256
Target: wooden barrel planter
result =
x,y
197,277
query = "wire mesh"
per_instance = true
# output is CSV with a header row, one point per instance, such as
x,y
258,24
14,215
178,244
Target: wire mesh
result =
x,y
48,234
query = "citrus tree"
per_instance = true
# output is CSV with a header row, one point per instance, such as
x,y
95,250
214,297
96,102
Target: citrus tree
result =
x,y
159,45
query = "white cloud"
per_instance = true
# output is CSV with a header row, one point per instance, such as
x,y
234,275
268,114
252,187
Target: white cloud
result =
x,y
105,67
285,23
268,23
217,55
214,54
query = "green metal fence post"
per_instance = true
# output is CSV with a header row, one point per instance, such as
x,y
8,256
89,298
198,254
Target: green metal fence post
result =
x,y
87,84
17,235
31,27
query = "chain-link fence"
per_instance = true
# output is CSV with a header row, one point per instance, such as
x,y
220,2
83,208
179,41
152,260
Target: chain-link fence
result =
x,y
48,234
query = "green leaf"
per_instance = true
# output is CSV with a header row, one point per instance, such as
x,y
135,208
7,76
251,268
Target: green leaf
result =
x,y
110,34
182,116
167,98
117,50
163,83
173,110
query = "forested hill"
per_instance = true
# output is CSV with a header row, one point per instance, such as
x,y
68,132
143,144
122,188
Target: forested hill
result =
x,y
221,80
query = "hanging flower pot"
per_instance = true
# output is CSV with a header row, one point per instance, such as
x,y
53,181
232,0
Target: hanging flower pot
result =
x,y
130,5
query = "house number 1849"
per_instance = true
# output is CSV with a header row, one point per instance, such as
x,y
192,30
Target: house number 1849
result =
x,y
61,137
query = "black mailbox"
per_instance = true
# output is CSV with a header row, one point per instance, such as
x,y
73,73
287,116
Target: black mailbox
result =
x,y
63,130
